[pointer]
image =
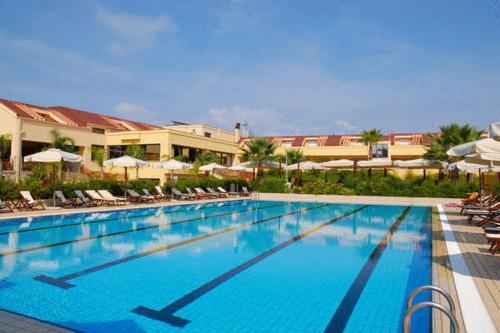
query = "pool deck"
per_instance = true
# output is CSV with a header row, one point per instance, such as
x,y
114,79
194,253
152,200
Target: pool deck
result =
x,y
482,267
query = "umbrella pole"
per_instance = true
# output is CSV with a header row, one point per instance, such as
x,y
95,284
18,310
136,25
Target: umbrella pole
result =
x,y
53,185
237,182
126,180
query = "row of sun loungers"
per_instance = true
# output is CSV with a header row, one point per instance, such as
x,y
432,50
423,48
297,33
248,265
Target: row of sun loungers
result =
x,y
484,211
210,193
93,198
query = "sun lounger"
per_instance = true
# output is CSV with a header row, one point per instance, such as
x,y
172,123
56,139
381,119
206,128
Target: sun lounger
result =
x,y
160,192
133,196
96,197
222,190
244,191
196,194
483,214
108,196
63,201
82,199
218,194
494,242
28,202
183,196
152,196
209,195
482,203
9,204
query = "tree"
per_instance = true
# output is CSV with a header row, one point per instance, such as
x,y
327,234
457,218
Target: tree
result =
x,y
280,158
371,137
4,147
136,151
258,150
64,143
99,154
295,156
204,159
451,135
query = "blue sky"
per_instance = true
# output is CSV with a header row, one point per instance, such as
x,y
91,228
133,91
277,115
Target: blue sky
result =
x,y
284,67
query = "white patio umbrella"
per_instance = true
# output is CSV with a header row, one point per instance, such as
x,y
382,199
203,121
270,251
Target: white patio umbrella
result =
x,y
53,156
489,145
375,163
338,164
125,162
469,167
238,169
306,165
173,165
211,167
421,163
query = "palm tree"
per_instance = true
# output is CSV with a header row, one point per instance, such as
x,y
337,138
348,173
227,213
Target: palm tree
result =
x,y
258,150
280,158
99,154
295,156
64,143
4,147
451,135
371,137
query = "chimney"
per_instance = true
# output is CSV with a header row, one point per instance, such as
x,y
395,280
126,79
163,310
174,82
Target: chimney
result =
x,y
237,133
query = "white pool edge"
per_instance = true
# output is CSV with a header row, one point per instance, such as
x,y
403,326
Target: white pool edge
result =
x,y
474,312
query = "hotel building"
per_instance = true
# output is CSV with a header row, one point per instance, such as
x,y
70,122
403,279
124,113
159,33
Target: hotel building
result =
x,y
28,128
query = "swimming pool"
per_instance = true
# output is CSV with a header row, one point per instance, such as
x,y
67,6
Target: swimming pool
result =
x,y
234,266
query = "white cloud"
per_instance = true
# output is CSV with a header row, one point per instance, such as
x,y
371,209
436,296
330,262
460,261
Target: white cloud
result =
x,y
345,125
136,112
138,28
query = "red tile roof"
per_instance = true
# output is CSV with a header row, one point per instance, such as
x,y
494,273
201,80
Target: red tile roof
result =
x,y
75,117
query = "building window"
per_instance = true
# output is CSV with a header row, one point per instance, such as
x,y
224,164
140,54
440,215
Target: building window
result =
x,y
311,143
357,143
152,152
287,143
92,151
208,135
98,130
380,150
116,151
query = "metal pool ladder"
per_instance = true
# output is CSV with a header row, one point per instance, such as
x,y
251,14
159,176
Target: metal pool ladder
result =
x,y
450,313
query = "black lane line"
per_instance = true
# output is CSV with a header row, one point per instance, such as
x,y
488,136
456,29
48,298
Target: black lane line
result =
x,y
167,314
153,226
105,220
61,282
343,313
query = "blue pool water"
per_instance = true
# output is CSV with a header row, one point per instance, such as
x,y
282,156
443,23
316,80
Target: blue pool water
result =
x,y
238,266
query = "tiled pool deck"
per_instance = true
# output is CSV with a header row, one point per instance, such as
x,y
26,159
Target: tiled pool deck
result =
x,y
484,268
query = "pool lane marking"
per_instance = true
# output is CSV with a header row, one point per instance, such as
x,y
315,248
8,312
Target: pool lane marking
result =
x,y
147,227
167,314
475,314
108,219
344,311
61,282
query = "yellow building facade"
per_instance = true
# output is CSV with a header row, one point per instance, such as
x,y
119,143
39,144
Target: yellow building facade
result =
x,y
28,128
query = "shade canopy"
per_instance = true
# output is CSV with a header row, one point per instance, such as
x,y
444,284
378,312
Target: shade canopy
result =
x,y
239,168
265,164
469,167
173,165
53,155
307,165
494,131
126,162
375,163
489,145
211,167
421,163
338,164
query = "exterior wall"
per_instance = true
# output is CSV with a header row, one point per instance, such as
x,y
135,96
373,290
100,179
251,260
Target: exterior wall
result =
x,y
216,133
166,138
